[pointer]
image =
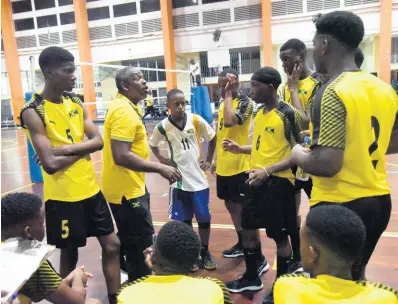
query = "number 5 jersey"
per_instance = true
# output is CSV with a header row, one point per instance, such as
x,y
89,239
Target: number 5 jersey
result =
x,y
64,125
355,112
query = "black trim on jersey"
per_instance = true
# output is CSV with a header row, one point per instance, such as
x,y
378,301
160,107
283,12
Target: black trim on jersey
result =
x,y
289,113
316,114
184,123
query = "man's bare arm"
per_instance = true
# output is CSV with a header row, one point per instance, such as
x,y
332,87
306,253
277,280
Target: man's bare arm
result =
x,y
92,144
49,161
230,118
211,148
159,156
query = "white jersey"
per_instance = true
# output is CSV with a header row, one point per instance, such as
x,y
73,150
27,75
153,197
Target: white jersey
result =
x,y
184,148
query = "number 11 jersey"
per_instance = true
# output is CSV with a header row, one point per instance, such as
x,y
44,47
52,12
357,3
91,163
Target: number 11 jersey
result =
x,y
355,112
64,125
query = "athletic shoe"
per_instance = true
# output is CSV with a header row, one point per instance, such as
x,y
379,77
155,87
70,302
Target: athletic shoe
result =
x,y
234,252
195,266
242,284
294,266
262,266
208,260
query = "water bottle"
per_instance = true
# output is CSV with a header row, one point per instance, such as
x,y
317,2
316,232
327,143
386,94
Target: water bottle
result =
x,y
300,174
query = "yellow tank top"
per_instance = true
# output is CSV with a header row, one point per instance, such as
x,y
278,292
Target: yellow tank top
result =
x,y
64,124
355,112
229,164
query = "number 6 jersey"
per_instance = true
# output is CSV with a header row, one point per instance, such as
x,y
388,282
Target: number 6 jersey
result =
x,y
184,148
64,125
356,112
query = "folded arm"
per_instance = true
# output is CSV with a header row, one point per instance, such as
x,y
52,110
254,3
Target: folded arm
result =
x,y
44,150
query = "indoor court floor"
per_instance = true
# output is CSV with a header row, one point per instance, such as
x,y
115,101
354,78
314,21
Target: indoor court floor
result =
x,y
383,266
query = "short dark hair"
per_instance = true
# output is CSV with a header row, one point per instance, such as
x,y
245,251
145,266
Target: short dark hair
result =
x,y
339,229
17,208
53,56
173,92
268,75
228,71
297,45
121,76
359,58
179,245
344,26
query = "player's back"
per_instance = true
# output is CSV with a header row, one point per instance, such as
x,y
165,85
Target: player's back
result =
x,y
325,289
370,108
174,289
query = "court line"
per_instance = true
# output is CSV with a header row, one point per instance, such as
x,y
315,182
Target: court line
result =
x,y
12,160
7,150
390,164
19,188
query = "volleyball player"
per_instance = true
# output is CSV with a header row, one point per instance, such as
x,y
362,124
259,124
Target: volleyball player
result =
x,y
190,196
234,119
277,127
126,159
57,123
353,116
301,85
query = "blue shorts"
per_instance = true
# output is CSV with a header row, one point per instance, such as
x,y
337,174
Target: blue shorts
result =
x,y
184,205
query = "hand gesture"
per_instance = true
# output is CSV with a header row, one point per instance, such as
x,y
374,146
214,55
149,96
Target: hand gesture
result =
x,y
298,153
232,79
230,146
148,256
36,158
256,177
170,173
204,165
294,77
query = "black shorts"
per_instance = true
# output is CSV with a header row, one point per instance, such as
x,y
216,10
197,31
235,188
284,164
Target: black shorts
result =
x,y
375,212
302,185
233,188
271,206
133,220
69,224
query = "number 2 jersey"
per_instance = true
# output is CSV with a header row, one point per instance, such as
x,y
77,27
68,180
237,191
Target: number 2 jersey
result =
x,y
356,112
64,125
184,148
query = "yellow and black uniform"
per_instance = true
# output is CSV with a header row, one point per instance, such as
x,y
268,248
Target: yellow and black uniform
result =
x,y
125,189
230,167
307,88
272,205
175,289
356,113
150,109
40,285
325,289
75,207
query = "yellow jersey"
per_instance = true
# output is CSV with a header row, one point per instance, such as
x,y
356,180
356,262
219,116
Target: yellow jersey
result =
x,y
275,134
64,125
174,289
305,88
149,101
123,122
228,164
324,289
356,112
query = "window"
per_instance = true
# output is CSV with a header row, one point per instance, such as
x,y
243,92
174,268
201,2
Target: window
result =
x,y
98,13
183,3
212,1
245,60
65,2
394,50
44,21
67,18
126,9
148,6
43,4
21,7
24,24
154,63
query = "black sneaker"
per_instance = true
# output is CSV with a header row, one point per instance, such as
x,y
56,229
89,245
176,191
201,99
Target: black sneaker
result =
x,y
208,260
295,265
234,252
195,266
242,284
262,266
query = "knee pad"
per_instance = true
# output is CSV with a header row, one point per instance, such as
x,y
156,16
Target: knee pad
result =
x,y
188,222
205,225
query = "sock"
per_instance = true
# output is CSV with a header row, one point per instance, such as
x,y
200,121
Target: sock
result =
x,y
259,254
282,264
295,240
112,298
239,238
205,248
251,265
